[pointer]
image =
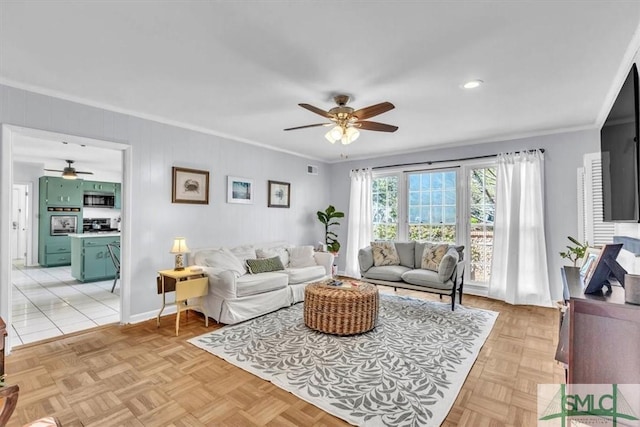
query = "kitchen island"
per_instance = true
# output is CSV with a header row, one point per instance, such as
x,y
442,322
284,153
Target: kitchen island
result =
x,y
90,259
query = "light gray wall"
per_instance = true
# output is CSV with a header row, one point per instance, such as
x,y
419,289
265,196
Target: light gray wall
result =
x,y
563,155
156,147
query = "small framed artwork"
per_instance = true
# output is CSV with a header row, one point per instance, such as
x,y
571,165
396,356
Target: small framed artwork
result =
x,y
189,186
239,190
279,194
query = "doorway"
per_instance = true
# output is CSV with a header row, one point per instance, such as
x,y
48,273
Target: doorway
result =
x,y
20,208
20,224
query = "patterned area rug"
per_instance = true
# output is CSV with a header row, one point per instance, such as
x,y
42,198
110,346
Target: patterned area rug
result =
x,y
406,372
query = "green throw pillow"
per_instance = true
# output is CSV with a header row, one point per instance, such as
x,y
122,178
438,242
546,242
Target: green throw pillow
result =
x,y
264,265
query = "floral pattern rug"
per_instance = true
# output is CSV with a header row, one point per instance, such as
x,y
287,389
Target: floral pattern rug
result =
x,y
405,372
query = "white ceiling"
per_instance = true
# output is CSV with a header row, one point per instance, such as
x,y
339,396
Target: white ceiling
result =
x,y
239,68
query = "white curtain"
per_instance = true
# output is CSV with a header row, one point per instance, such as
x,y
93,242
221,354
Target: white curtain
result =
x,y
519,273
360,223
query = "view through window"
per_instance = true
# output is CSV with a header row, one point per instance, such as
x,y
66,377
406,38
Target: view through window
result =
x,y
429,206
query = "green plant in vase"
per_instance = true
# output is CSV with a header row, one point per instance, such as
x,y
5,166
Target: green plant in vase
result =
x,y
328,218
574,253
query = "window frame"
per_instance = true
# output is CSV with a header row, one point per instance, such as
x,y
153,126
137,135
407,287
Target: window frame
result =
x,y
463,201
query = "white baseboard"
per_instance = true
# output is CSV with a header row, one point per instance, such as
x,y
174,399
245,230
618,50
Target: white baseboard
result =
x,y
473,289
143,317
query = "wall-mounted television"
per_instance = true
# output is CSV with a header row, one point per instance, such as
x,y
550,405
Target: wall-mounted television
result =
x,y
619,151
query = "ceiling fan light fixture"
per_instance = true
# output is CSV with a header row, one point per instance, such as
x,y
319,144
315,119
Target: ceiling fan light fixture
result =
x,y
329,137
337,133
69,174
350,135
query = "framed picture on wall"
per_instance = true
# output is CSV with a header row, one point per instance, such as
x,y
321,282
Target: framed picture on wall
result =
x,y
279,194
189,186
239,190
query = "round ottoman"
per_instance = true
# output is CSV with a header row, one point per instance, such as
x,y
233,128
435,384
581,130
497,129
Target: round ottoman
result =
x,y
341,310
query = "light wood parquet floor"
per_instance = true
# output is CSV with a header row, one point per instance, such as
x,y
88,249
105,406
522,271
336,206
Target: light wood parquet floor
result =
x,y
139,375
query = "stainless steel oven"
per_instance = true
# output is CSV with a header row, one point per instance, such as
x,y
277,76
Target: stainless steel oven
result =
x,y
63,223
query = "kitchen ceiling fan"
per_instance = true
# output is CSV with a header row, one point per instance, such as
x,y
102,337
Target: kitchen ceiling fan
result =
x,y
347,121
70,172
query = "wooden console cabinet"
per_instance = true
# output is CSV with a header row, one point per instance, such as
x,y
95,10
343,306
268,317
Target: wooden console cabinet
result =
x,y
599,336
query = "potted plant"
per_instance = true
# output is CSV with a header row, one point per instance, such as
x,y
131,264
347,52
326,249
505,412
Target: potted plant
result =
x,y
328,218
574,253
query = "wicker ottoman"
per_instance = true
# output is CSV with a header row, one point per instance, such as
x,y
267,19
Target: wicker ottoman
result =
x,y
341,310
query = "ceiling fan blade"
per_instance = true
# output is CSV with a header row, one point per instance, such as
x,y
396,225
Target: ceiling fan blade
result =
x,y
309,126
86,173
53,170
381,127
373,110
316,110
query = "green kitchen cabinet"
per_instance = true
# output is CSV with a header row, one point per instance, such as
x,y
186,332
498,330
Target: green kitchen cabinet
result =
x,y
90,259
56,251
56,191
117,204
98,186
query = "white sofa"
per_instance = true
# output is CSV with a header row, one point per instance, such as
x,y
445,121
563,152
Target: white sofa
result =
x,y
235,294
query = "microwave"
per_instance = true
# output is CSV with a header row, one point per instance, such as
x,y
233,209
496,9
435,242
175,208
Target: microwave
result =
x,y
99,200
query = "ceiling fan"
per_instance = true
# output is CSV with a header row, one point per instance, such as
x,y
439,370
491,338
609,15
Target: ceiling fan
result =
x,y
69,172
347,120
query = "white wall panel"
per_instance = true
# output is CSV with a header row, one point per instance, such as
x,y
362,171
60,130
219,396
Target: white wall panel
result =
x,y
156,147
563,156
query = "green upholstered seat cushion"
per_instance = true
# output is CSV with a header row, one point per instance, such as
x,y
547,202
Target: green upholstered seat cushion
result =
x,y
448,264
264,265
406,253
390,273
426,278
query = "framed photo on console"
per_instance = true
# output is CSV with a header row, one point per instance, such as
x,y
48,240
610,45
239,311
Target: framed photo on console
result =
x,y
239,190
279,194
189,186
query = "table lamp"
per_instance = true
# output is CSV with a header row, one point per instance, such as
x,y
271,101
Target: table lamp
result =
x,y
179,248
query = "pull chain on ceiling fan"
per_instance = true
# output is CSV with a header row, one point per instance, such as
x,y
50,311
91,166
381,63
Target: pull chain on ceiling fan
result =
x,y
347,120
70,172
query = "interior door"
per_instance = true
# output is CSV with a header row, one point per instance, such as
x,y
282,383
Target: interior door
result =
x,y
19,222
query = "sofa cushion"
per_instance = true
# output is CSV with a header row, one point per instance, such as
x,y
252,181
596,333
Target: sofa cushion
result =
x,y
365,259
432,255
391,273
252,284
244,252
406,253
384,253
301,256
448,264
305,274
264,265
426,278
271,252
224,259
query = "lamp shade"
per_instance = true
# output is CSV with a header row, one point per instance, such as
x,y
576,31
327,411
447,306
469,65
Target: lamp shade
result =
x,y
180,246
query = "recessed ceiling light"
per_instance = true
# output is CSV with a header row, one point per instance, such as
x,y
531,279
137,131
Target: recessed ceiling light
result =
x,y
471,84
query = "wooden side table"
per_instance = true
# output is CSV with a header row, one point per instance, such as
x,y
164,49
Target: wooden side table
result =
x,y
186,284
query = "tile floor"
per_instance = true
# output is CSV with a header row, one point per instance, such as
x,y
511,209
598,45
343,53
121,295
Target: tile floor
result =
x,y
48,302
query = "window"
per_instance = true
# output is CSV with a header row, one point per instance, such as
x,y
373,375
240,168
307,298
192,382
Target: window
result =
x,y
432,206
454,205
482,209
385,208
